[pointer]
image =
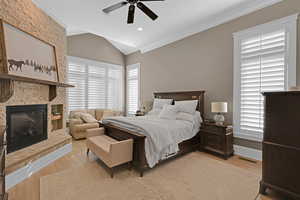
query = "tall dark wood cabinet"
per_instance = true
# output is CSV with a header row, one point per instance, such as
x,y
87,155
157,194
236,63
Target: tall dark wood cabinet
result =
x,y
281,144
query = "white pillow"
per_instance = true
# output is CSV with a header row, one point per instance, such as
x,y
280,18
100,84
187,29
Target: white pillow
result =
x,y
195,119
88,118
169,112
159,103
185,117
155,112
187,106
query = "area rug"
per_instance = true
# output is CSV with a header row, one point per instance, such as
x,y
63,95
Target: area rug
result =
x,y
191,177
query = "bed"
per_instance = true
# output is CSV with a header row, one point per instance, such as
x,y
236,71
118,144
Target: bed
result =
x,y
122,132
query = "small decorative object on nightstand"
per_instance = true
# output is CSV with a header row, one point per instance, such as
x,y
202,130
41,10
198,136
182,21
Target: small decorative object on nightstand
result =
x,y
219,107
139,114
217,139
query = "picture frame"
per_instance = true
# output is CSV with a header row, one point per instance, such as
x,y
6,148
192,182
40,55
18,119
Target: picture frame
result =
x,y
26,56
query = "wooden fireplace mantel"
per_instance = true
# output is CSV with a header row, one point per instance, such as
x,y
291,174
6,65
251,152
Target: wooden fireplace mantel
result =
x,y
7,86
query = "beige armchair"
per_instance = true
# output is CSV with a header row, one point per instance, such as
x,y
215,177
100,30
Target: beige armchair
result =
x,y
78,127
112,152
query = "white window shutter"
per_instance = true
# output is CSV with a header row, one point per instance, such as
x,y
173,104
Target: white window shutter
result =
x,y
97,85
133,88
115,88
262,64
76,95
262,69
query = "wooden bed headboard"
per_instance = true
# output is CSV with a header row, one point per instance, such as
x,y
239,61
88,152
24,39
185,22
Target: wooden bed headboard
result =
x,y
183,96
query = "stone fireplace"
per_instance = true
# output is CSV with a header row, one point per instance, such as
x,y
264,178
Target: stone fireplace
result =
x,y
26,125
47,143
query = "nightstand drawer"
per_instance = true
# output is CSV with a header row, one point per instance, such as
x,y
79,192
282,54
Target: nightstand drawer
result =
x,y
214,129
212,141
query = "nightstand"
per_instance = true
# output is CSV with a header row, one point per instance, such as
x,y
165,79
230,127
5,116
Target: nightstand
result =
x,y
217,139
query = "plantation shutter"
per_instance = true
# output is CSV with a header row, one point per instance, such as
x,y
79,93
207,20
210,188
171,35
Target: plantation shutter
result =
x,y
133,88
76,95
262,70
115,88
97,85
265,61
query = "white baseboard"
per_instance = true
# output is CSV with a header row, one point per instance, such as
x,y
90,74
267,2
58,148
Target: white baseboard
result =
x,y
248,152
25,172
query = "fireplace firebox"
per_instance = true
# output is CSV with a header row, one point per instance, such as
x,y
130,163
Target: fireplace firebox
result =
x,y
26,125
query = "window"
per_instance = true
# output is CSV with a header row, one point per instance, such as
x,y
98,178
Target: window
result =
x,y
265,61
133,88
97,85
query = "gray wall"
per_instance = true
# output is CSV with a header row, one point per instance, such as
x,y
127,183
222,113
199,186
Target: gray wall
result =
x,y
205,60
94,47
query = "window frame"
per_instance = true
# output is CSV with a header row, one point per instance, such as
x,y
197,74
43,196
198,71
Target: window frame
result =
x,y
128,67
86,63
290,25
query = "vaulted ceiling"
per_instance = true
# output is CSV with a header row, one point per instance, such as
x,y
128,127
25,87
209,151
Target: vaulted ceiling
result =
x,y
177,19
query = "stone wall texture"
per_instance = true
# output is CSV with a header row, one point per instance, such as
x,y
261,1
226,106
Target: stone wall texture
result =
x,y
25,15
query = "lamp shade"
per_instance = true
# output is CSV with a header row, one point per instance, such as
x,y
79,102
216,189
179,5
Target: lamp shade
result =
x,y
219,107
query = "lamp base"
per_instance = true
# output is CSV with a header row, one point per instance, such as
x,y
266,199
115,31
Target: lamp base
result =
x,y
219,119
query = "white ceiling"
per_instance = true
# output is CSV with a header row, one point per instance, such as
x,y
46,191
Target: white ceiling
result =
x,y
177,19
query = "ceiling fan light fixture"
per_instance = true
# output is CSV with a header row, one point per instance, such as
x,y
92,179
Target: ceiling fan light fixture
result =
x,y
132,4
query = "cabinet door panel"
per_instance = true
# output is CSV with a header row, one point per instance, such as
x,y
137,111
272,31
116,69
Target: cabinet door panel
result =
x,y
281,167
282,120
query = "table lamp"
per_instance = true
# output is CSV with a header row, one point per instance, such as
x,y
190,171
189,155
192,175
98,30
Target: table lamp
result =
x,y
219,107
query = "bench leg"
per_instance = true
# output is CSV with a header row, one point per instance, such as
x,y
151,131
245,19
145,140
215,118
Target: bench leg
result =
x,y
130,166
87,152
111,172
141,173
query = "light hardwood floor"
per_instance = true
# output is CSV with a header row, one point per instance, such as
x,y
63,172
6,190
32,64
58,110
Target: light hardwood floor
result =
x,y
29,189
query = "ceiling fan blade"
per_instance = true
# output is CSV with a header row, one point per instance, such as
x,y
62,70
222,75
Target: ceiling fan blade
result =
x,y
115,7
151,0
131,11
147,11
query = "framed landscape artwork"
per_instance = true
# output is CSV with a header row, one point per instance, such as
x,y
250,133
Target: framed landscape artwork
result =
x,y
27,56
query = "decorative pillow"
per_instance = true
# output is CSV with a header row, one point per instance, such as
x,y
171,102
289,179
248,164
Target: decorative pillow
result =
x,y
187,106
159,103
88,118
168,112
76,115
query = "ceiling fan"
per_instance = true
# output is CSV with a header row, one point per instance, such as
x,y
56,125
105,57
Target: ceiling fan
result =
x,y
132,4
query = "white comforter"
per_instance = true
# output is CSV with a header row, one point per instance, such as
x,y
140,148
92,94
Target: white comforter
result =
x,y
162,136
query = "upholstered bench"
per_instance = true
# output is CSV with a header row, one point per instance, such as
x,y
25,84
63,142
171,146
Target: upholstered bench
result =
x,y
112,152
